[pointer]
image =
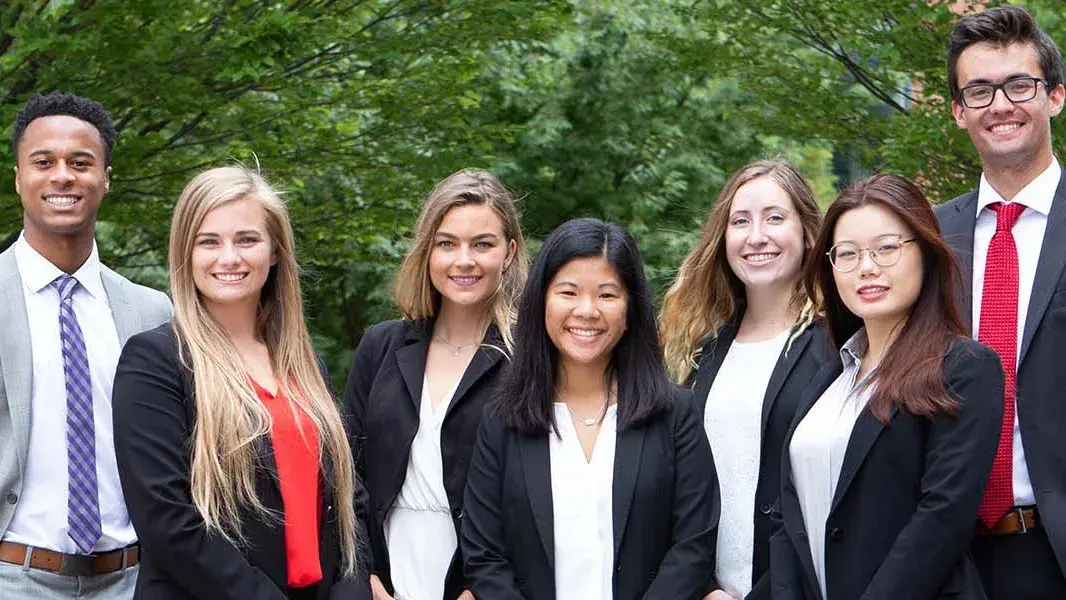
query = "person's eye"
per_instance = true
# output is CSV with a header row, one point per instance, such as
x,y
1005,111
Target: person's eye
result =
x,y
775,218
247,241
484,245
887,248
207,242
444,244
845,254
42,162
739,222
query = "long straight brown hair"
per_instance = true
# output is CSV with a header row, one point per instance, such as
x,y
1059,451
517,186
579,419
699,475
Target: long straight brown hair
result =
x,y
910,374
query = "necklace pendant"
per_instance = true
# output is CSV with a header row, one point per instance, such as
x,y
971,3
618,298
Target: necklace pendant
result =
x,y
589,421
458,349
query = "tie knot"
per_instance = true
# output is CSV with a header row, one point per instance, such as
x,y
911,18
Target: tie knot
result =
x,y
65,284
1007,214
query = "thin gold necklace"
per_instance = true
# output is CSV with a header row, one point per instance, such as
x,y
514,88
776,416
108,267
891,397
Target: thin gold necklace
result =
x,y
458,347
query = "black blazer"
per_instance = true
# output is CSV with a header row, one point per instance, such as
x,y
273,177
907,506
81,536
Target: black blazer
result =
x,y
905,506
798,363
381,403
154,415
665,511
1040,375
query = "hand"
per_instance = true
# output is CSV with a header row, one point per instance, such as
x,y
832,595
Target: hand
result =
x,y
720,595
466,595
377,589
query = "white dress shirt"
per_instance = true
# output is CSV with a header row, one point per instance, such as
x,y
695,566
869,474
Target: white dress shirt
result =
x,y
419,531
583,513
733,422
40,519
819,444
1029,237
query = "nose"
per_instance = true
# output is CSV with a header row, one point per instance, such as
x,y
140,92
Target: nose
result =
x,y
229,254
466,257
867,264
757,236
62,174
1000,102
586,307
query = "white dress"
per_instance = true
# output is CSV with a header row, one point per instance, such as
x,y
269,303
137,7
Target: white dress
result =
x,y
419,531
733,422
582,509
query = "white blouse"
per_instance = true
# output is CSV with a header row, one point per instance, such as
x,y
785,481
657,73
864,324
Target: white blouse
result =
x,y
819,444
419,531
582,494
733,422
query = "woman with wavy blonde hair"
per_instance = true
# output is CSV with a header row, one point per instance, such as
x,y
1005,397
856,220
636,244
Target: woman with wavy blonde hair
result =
x,y
738,327
232,454
418,384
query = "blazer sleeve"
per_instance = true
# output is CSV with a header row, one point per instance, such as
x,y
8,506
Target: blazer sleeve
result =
x,y
150,420
958,458
786,573
357,585
485,564
689,563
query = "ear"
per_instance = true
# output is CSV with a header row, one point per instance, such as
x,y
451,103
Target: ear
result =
x,y
17,181
107,180
1055,99
959,112
512,247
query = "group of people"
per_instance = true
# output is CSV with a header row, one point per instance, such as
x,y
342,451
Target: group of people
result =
x,y
854,405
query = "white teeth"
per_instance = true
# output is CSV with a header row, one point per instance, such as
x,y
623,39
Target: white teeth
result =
x,y
1005,127
230,276
61,201
465,280
871,290
759,258
584,332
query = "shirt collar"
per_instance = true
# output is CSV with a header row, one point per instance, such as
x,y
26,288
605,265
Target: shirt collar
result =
x,y
1037,194
38,272
854,349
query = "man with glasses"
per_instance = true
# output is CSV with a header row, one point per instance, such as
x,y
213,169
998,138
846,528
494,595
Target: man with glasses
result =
x,y
1005,76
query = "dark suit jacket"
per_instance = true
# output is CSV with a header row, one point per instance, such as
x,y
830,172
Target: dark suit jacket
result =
x,y
665,511
905,506
795,367
381,403
1040,375
154,415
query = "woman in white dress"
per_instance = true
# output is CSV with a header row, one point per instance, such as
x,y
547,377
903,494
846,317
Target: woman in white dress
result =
x,y
739,329
417,385
591,479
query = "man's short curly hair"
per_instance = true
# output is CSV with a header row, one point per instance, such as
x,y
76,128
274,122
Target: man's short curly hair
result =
x,y
60,103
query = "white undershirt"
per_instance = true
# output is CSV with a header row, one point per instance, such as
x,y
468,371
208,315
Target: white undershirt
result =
x,y
582,494
40,519
1028,237
733,422
818,447
419,531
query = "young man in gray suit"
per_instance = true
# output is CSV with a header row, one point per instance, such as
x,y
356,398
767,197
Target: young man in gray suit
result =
x,y
64,530
1005,76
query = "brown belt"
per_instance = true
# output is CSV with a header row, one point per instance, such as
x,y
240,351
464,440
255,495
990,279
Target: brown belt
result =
x,y
1017,521
70,564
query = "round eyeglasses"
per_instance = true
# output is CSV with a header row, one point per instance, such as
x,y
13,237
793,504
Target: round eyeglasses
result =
x,y
1017,90
885,252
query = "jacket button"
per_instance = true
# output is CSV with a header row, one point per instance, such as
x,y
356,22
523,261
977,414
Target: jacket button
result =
x,y
766,508
457,513
12,498
836,534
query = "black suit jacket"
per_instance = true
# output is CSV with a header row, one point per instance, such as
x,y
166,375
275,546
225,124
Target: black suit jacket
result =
x,y
154,415
905,506
798,363
1041,378
381,402
665,511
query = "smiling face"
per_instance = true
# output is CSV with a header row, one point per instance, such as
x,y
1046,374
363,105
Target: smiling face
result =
x,y
585,312
60,176
1005,134
881,296
232,254
764,237
469,255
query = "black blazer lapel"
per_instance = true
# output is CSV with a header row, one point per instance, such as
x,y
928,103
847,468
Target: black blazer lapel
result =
x,y
712,355
411,359
629,446
957,226
536,467
1048,268
863,435
488,354
788,359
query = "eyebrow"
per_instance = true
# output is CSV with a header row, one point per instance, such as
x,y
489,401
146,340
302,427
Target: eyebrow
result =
x,y
981,80
764,209
480,236
235,234
567,282
74,154
874,238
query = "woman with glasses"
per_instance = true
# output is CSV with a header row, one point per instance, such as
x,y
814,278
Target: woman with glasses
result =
x,y
739,329
886,462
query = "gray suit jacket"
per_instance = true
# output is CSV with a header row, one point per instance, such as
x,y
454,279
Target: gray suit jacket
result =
x,y
135,309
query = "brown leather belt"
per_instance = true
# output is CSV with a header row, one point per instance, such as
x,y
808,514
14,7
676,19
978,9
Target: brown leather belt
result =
x,y
1017,521
71,564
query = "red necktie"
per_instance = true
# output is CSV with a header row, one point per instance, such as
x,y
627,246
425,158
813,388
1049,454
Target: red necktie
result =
x,y
998,329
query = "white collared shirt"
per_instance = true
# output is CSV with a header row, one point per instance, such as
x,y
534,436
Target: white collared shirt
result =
x,y
819,444
583,509
40,518
1028,237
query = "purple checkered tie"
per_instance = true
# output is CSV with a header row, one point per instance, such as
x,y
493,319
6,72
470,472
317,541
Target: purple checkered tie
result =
x,y
83,503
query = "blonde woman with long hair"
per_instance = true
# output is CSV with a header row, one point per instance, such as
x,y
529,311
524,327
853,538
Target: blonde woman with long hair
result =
x,y
231,451
739,329
418,384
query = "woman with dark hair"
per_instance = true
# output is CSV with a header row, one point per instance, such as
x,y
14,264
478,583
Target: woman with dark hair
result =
x,y
591,477
887,459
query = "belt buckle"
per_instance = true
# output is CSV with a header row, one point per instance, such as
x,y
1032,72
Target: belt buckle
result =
x,y
76,565
1021,520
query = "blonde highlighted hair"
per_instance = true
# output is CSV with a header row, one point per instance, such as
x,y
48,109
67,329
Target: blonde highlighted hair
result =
x,y
707,295
415,295
230,419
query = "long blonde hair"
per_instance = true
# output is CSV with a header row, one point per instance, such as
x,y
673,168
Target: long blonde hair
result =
x,y
230,419
415,295
706,295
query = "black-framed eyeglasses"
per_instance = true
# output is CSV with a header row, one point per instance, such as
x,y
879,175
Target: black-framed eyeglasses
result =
x,y
885,252
1017,90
